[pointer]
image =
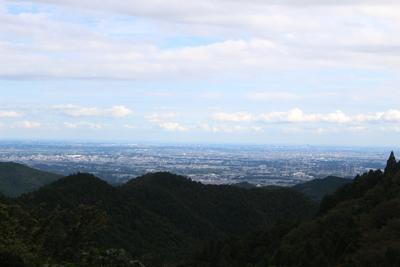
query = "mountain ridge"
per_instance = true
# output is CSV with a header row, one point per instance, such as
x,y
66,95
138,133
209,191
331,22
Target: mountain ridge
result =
x,y
358,225
17,179
315,189
169,215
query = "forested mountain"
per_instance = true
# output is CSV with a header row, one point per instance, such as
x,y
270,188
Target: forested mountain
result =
x,y
16,179
167,215
245,184
162,217
358,225
315,189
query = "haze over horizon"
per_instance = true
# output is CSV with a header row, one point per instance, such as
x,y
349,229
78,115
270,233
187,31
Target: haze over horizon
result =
x,y
310,72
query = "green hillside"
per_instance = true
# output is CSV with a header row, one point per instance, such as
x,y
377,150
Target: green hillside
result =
x,y
166,218
17,179
167,215
316,189
246,185
357,226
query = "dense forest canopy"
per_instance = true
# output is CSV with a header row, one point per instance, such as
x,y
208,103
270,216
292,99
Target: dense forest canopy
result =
x,y
357,226
169,216
16,179
163,218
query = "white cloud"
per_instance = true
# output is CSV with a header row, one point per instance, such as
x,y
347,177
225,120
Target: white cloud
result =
x,y
357,128
237,117
240,128
205,127
392,116
390,129
26,124
173,127
297,116
216,129
2,125
107,49
160,94
51,126
257,129
379,117
228,129
161,117
328,130
368,117
211,96
84,124
284,36
115,112
10,114
338,117
294,115
66,107
130,127
292,129
272,96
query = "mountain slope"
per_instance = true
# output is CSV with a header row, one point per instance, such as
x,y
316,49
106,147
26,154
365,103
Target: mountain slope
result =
x,y
359,227
16,179
170,216
218,205
316,189
244,184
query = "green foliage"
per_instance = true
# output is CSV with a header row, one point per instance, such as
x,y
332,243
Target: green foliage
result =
x,y
13,250
316,189
246,185
4,199
360,226
104,257
52,263
109,257
170,216
391,163
16,179
254,249
32,236
356,189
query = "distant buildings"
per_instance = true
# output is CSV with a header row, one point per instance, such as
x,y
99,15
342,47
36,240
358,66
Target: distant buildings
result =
x,y
216,164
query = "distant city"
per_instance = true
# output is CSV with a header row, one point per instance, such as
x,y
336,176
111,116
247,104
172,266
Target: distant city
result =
x,y
118,162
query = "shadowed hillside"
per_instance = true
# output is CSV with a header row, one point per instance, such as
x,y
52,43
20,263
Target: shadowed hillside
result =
x,y
16,179
315,189
170,216
357,226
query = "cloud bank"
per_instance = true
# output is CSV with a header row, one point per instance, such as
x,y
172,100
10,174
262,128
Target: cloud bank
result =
x,y
297,116
10,114
115,112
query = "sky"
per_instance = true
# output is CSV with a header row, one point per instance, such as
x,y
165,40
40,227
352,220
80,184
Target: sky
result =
x,y
239,71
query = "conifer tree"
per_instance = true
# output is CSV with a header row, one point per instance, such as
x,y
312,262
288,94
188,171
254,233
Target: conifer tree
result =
x,y
390,163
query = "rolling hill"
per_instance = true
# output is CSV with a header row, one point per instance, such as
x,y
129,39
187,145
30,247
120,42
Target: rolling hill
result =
x,y
17,179
315,189
358,225
167,215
